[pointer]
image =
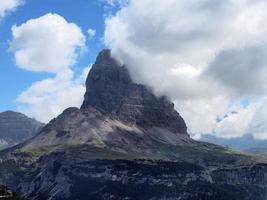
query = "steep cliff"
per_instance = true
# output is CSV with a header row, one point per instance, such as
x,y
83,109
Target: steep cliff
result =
x,y
109,89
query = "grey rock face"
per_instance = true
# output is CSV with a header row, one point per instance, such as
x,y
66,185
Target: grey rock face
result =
x,y
16,128
109,89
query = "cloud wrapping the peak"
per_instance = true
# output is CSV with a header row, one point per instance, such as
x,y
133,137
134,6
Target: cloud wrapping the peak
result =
x,y
46,44
205,55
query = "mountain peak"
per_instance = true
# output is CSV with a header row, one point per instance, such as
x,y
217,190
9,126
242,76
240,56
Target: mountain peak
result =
x,y
116,113
105,58
110,89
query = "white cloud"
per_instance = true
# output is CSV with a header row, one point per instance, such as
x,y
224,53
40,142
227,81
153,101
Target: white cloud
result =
x,y
49,44
91,32
119,3
46,99
46,44
205,55
8,6
201,116
235,123
85,73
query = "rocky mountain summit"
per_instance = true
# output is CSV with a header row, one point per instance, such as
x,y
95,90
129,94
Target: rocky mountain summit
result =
x,y
116,113
109,89
126,143
16,128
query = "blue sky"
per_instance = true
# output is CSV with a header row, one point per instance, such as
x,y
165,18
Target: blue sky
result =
x,y
86,14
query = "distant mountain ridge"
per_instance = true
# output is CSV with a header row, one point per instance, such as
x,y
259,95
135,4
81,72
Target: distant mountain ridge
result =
x,y
16,128
245,143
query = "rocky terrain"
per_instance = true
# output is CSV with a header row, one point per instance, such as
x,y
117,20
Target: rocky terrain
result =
x,y
126,143
16,128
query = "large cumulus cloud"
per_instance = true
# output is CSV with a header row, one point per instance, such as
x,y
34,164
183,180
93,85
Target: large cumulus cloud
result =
x,y
46,44
208,56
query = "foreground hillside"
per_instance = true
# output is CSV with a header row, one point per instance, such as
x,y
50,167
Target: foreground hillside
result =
x,y
126,143
86,172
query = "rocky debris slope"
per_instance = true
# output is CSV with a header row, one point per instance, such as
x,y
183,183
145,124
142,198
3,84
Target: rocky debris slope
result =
x,y
126,143
16,128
